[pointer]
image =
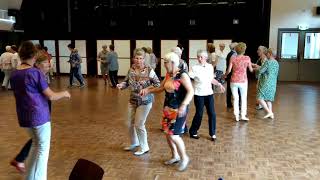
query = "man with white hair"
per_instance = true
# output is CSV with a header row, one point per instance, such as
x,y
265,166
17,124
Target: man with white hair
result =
x,y
221,64
182,63
7,65
231,54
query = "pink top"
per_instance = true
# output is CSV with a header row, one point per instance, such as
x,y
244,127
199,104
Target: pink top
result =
x,y
239,68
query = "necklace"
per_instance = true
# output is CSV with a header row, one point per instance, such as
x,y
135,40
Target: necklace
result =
x,y
25,64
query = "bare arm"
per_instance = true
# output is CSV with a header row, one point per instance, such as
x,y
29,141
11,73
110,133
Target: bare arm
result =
x,y
53,96
186,82
152,89
250,67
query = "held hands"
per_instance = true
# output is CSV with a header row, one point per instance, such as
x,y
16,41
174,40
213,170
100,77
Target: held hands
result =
x,y
144,92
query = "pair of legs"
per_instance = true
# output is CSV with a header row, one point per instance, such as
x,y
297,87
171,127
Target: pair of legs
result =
x,y
104,71
18,161
243,88
229,95
114,78
76,72
178,151
39,152
173,126
137,129
200,102
6,80
267,106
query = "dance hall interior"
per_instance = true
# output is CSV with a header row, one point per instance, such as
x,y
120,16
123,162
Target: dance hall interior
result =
x,y
160,90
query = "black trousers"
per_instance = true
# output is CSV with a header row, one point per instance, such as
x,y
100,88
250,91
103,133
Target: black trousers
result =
x,y
200,102
229,94
114,77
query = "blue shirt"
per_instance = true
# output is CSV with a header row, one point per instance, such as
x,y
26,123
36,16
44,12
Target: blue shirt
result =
x,y
112,58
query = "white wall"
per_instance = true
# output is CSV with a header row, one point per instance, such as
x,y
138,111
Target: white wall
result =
x,y
290,14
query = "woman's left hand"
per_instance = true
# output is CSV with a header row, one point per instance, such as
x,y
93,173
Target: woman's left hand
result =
x,y
182,111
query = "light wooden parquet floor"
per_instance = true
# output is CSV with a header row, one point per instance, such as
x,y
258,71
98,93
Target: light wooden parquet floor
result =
x,y
92,125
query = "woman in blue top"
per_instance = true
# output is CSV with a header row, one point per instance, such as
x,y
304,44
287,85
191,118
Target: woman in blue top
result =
x,y
31,93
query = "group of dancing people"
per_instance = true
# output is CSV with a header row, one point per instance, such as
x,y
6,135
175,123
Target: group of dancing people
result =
x,y
32,93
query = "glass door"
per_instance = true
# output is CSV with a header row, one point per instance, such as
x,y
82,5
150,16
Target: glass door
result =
x,y
299,54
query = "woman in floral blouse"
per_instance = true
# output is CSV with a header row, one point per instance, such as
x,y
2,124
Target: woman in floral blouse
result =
x,y
139,77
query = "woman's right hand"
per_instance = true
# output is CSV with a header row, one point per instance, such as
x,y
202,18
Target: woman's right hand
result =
x,y
120,86
67,94
144,92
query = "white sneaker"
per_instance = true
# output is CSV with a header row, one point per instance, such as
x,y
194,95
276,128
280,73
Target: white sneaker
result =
x,y
130,148
141,152
244,118
184,164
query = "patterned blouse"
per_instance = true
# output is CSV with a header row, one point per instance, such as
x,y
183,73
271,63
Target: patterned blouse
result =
x,y
239,68
138,81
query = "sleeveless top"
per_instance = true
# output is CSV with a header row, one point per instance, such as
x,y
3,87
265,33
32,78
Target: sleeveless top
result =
x,y
175,98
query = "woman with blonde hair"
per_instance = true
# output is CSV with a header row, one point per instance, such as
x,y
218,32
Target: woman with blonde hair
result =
x,y
268,75
239,80
139,77
178,89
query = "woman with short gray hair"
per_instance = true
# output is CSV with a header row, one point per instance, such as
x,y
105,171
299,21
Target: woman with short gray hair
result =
x,y
139,77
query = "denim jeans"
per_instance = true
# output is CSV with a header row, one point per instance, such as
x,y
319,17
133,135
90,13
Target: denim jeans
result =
x,y
39,153
76,72
137,129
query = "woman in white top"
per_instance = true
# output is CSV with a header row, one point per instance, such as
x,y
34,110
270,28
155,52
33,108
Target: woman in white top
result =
x,y
7,66
203,76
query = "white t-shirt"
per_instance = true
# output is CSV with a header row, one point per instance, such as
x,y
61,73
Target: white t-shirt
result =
x,y
222,62
203,75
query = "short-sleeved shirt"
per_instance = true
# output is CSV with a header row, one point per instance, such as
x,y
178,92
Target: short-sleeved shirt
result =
x,y
103,56
239,68
112,58
203,75
31,104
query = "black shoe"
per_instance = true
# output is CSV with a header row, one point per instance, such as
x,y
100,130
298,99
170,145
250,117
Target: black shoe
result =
x,y
213,138
194,136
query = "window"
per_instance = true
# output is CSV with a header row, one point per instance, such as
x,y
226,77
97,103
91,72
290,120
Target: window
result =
x,y
312,46
289,47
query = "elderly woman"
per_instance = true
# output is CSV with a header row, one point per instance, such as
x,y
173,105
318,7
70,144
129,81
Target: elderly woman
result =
x,y
262,51
31,92
102,58
182,63
139,77
42,63
7,66
268,75
239,80
178,88
203,76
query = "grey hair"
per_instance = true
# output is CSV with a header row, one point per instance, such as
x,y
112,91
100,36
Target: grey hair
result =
x,y
201,52
263,49
233,45
172,57
8,48
177,50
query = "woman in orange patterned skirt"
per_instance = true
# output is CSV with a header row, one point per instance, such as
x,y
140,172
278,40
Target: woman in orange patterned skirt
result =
x,y
179,92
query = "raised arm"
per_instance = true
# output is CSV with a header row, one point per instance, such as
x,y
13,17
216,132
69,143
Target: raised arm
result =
x,y
53,96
